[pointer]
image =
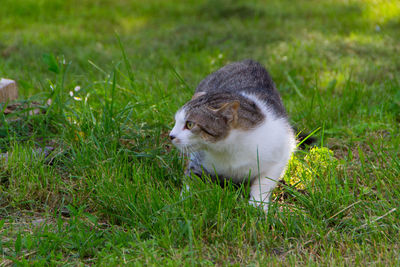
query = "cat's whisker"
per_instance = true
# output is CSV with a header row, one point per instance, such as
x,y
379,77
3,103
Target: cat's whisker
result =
x,y
189,150
183,150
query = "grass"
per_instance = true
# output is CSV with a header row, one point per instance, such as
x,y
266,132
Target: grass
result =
x,y
109,192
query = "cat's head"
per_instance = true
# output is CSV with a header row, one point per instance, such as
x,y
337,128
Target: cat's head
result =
x,y
207,119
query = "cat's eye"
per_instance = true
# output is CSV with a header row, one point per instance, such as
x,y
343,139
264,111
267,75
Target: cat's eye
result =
x,y
189,125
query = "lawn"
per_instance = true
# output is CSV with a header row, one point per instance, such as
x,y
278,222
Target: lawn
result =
x,y
106,78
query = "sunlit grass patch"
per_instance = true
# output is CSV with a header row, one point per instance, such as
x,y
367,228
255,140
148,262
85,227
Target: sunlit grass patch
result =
x,y
382,11
302,173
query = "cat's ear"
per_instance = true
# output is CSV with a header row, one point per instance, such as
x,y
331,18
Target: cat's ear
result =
x,y
198,94
230,111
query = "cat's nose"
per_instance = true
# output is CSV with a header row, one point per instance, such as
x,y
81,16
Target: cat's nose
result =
x,y
172,137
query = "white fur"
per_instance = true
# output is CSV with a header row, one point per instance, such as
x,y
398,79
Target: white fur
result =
x,y
178,130
184,139
260,154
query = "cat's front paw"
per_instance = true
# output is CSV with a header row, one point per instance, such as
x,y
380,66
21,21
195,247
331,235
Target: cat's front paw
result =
x,y
185,190
259,204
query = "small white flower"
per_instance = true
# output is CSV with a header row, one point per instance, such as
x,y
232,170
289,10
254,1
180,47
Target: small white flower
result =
x,y
77,98
71,93
77,88
51,87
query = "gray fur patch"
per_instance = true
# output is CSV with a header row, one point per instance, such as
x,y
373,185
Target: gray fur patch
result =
x,y
248,77
215,115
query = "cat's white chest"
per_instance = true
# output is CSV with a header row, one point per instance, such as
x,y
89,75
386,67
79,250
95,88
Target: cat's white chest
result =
x,y
248,154
241,156
231,163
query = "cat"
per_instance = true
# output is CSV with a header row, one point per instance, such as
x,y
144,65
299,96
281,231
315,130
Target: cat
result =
x,y
236,127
